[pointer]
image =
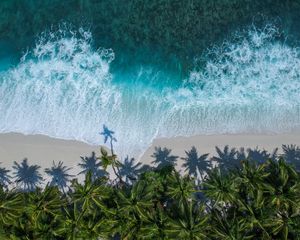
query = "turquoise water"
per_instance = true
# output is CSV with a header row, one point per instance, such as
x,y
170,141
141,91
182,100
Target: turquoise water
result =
x,y
67,88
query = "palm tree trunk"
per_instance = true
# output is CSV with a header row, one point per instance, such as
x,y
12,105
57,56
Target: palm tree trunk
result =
x,y
112,153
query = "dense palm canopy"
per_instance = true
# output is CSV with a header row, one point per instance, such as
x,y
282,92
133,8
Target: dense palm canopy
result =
x,y
253,200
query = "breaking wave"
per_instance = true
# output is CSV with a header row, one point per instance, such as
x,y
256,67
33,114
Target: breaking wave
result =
x,y
65,88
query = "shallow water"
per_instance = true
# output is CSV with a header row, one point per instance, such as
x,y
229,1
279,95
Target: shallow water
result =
x,y
65,88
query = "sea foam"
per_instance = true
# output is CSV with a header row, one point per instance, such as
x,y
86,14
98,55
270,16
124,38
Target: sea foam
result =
x,y
65,88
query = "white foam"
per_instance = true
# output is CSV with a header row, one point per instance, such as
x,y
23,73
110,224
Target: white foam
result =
x,y
65,89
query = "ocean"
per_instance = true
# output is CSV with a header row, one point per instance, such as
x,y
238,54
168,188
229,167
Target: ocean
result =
x,y
65,85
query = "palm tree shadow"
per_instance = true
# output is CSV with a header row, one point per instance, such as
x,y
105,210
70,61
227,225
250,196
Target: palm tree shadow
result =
x,y
59,175
261,156
129,169
227,158
162,157
27,176
291,154
241,154
144,168
108,135
5,178
194,163
91,164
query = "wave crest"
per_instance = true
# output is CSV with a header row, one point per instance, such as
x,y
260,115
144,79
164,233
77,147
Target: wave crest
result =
x,y
64,88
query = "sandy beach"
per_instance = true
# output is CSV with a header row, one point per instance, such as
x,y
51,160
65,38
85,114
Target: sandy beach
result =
x,y
43,150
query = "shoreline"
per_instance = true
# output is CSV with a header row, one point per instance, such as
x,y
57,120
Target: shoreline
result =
x,y
43,150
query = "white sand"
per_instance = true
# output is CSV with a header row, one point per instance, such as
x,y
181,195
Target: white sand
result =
x,y
207,144
43,150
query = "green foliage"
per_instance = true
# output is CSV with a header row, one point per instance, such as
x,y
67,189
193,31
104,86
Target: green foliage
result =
x,y
254,201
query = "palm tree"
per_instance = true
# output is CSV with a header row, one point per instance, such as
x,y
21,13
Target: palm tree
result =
x,y
44,208
194,162
11,206
180,188
187,221
87,214
220,187
155,223
4,177
133,203
91,164
59,175
227,158
228,227
108,134
27,177
163,158
110,160
285,200
129,169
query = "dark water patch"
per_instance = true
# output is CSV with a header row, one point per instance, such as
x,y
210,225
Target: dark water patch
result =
x,y
182,28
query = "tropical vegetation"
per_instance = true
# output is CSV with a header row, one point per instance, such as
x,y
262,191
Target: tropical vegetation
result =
x,y
229,196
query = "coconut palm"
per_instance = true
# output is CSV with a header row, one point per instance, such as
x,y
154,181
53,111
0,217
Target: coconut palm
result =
x,y
220,187
59,175
163,158
87,209
193,163
285,201
228,227
285,180
44,208
129,169
155,223
11,206
90,194
187,221
93,165
110,160
180,188
27,176
133,204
